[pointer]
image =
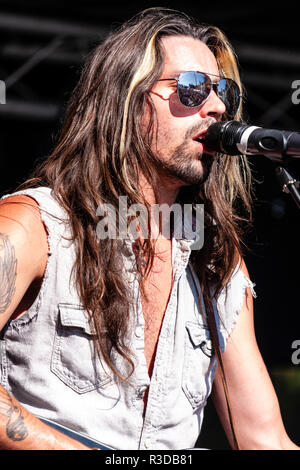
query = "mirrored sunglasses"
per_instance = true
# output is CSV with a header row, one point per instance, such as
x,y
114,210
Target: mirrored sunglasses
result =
x,y
194,88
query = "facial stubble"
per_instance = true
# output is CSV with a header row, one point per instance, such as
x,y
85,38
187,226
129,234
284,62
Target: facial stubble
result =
x,y
188,166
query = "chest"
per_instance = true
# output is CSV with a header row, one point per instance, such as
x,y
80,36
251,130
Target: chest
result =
x,y
154,298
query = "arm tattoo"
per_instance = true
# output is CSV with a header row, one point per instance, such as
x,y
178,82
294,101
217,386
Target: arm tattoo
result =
x,y
8,272
15,426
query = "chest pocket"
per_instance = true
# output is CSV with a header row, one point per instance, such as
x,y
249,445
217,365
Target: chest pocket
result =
x,y
199,364
74,360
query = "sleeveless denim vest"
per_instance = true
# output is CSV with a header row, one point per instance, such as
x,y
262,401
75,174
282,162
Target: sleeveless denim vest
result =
x,y
48,362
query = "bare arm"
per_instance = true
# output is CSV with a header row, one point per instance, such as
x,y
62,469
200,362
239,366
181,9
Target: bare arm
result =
x,y
23,251
20,430
23,258
253,400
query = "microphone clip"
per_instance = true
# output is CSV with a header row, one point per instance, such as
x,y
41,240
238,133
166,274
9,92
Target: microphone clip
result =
x,y
288,184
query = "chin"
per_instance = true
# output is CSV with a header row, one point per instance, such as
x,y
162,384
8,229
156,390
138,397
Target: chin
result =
x,y
197,174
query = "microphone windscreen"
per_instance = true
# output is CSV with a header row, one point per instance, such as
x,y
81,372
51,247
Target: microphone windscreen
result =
x,y
212,136
223,136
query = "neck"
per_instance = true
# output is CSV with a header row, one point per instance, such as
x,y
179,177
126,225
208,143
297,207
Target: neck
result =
x,y
167,193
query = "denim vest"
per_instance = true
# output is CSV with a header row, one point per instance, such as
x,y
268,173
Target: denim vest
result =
x,y
48,362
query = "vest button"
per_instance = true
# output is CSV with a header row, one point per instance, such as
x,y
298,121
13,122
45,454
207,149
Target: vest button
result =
x,y
139,331
141,391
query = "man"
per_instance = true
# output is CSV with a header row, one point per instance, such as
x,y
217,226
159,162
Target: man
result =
x,y
114,337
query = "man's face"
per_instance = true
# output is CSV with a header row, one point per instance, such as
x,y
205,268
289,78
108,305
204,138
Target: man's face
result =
x,y
174,144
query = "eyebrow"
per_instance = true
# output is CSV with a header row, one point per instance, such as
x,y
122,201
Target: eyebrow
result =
x,y
175,74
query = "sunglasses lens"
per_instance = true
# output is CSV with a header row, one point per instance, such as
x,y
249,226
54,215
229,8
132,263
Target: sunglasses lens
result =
x,y
193,88
229,93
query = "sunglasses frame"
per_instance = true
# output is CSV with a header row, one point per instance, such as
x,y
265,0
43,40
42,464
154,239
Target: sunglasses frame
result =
x,y
213,86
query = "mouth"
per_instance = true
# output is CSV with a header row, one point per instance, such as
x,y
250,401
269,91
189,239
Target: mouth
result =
x,y
200,136
199,139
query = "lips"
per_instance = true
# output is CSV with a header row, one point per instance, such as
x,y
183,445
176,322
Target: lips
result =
x,y
200,137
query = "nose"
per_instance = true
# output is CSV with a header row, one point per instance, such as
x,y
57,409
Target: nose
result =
x,y
214,106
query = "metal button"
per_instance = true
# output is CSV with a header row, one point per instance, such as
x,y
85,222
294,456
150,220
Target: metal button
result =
x,y
139,331
141,391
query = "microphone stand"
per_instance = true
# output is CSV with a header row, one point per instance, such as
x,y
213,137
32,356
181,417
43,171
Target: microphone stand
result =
x,y
288,184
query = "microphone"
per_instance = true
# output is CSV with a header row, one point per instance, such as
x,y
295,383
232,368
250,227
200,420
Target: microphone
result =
x,y
235,138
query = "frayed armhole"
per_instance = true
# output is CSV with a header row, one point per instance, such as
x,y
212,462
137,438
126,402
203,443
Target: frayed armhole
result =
x,y
229,304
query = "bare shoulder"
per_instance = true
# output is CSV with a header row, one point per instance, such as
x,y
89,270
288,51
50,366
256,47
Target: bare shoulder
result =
x,y
19,208
243,267
20,217
23,250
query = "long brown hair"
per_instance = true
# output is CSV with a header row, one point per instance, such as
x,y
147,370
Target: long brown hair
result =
x,y
101,151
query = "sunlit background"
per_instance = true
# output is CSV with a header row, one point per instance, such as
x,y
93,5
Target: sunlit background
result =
x,y
42,48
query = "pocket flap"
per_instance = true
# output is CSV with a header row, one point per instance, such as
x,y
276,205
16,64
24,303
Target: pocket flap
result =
x,y
75,316
198,333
